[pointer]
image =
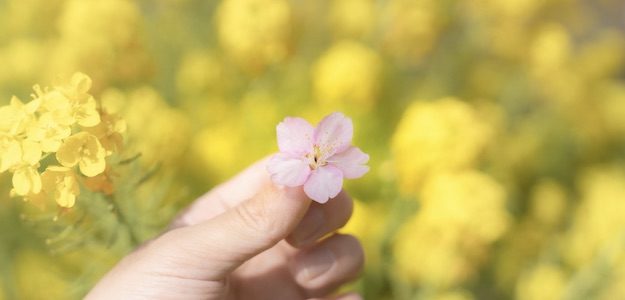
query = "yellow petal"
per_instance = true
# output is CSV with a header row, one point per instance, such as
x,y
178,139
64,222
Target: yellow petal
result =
x,y
32,106
16,102
31,152
7,118
10,153
61,182
92,161
81,82
59,106
49,132
65,198
69,152
86,114
26,181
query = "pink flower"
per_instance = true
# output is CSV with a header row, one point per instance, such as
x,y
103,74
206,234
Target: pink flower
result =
x,y
317,158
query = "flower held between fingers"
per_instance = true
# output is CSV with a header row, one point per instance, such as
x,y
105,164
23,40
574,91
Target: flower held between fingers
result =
x,y
317,158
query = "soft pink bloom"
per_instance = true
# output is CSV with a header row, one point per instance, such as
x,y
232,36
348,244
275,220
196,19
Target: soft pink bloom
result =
x,y
317,158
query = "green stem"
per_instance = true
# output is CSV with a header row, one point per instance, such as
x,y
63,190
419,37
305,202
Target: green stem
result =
x,y
134,239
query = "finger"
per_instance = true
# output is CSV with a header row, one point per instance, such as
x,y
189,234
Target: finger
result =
x,y
325,266
348,296
212,249
225,196
322,219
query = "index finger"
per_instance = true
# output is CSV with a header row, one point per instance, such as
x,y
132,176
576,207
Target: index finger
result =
x,y
229,194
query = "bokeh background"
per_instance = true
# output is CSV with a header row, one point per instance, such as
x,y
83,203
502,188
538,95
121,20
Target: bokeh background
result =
x,y
496,130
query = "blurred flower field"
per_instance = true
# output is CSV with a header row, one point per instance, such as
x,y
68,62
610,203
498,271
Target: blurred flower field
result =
x,y
496,130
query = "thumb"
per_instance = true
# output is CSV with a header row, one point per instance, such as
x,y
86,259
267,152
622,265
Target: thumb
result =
x,y
212,249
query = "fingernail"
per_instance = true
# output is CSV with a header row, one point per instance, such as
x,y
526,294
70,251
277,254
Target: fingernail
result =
x,y
314,264
309,228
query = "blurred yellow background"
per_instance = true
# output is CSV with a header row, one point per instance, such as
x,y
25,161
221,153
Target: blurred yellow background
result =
x,y
496,130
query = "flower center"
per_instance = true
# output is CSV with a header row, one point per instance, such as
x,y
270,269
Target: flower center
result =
x,y
315,159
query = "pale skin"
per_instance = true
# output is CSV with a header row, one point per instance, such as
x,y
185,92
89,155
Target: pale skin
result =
x,y
245,239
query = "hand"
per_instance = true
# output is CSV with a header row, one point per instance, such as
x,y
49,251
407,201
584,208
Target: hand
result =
x,y
245,239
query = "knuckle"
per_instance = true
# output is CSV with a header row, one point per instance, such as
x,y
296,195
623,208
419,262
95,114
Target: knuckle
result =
x,y
256,218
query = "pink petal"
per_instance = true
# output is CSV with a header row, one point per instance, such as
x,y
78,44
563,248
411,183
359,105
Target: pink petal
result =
x,y
351,162
289,170
295,135
324,183
334,133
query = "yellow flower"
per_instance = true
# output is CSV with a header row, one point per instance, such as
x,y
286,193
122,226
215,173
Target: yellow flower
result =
x,y
255,33
542,282
549,52
61,184
461,215
54,103
413,27
598,218
548,202
71,103
352,18
469,201
10,152
49,132
347,76
109,132
78,86
443,135
83,149
17,116
26,179
101,38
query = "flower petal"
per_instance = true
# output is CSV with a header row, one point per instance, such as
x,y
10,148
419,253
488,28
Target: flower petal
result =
x,y
10,153
351,162
92,161
26,180
324,183
295,135
334,134
81,82
31,152
289,170
68,153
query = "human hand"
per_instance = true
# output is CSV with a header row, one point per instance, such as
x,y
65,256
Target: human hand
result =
x,y
245,239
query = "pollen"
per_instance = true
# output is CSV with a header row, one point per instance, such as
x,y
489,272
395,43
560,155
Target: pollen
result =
x,y
315,158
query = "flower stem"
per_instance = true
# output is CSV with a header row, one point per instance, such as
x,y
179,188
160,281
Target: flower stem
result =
x,y
123,220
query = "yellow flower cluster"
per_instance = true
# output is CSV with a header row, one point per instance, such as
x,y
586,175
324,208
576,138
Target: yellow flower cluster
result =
x,y
461,215
256,33
437,147
65,122
101,39
347,77
542,282
448,134
598,218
